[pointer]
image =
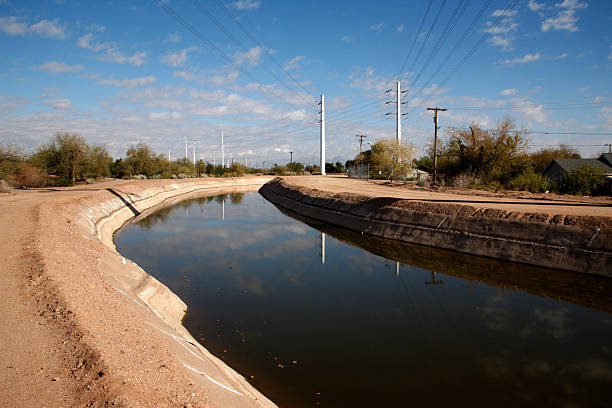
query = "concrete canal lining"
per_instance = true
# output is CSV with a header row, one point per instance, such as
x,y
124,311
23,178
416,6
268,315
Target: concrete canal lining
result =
x,y
129,321
584,245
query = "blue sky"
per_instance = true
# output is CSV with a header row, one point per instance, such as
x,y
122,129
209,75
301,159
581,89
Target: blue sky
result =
x,y
123,72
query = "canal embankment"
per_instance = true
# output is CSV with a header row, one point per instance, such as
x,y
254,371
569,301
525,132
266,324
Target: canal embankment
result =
x,y
118,330
567,235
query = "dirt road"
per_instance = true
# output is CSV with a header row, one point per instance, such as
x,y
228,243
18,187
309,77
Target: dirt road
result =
x,y
521,202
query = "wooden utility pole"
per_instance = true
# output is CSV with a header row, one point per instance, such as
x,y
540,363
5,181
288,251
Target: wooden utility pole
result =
x,y
361,137
435,152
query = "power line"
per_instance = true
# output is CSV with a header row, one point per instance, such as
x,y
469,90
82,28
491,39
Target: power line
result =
x,y
416,36
539,132
433,24
254,39
229,35
211,45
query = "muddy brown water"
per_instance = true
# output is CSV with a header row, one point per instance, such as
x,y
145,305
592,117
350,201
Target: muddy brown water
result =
x,y
314,315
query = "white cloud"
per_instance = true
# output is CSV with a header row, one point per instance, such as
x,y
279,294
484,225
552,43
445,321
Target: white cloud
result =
x,y
247,4
44,28
435,90
221,79
60,67
347,38
524,59
377,27
500,12
606,114
173,38
566,19
166,115
11,26
178,58
96,27
572,4
560,56
293,63
109,52
49,28
400,28
187,76
59,104
502,33
111,55
610,55
130,83
510,91
535,6
85,42
253,56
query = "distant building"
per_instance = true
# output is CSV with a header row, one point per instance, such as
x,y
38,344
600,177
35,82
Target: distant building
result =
x,y
557,168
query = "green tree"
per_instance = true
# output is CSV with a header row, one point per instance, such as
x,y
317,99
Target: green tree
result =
x,y
98,162
313,168
585,180
140,159
66,156
543,157
295,167
528,180
391,158
493,156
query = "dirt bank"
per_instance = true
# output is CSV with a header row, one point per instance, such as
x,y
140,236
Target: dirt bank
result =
x,y
82,326
563,234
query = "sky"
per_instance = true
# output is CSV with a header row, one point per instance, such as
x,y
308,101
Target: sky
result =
x,y
124,72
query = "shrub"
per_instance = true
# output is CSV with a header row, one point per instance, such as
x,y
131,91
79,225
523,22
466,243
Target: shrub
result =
x,y
26,175
5,187
466,180
585,180
528,180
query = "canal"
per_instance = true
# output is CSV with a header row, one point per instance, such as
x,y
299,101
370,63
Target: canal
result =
x,y
313,315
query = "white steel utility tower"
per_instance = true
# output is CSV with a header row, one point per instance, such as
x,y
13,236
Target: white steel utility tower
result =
x,y
398,125
222,152
322,103
398,111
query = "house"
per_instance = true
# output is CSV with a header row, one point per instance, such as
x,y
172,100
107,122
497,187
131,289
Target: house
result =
x,y
557,168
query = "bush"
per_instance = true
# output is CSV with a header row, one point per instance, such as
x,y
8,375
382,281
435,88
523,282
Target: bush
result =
x,y
466,180
585,180
528,180
5,187
26,175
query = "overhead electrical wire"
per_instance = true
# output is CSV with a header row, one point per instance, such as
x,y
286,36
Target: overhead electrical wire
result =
x,y
257,42
416,36
211,45
232,38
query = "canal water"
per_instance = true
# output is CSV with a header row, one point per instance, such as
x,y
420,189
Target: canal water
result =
x,y
317,316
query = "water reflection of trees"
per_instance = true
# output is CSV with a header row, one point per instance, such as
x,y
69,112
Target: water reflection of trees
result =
x,y
236,198
162,214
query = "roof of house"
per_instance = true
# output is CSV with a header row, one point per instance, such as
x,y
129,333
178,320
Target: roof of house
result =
x,y
569,165
606,158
